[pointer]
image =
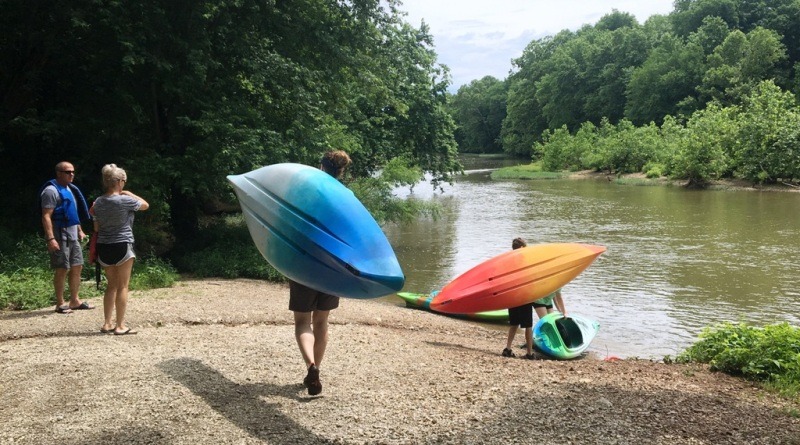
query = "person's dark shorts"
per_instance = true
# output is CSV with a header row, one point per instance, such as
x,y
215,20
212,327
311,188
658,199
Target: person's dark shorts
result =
x,y
548,306
68,256
305,299
114,254
521,316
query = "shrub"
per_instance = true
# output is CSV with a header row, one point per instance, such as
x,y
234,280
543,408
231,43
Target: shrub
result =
x,y
709,135
26,280
223,248
562,151
27,288
654,170
152,273
770,354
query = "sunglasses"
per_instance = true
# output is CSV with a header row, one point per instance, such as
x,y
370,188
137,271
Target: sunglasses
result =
x,y
69,172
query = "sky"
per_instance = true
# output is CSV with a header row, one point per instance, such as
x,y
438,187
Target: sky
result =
x,y
477,38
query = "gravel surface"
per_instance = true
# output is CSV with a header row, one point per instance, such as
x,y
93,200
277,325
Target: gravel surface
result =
x,y
215,362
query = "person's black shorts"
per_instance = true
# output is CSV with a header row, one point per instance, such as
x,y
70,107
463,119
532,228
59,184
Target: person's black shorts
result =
x,y
521,316
548,306
114,254
305,299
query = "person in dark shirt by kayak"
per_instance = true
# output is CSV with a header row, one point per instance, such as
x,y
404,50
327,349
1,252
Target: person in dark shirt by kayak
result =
x,y
520,317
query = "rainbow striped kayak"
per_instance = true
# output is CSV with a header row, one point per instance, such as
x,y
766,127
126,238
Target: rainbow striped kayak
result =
x,y
423,301
312,229
515,278
564,337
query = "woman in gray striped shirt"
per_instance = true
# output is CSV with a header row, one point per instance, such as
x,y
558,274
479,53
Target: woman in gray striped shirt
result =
x,y
113,222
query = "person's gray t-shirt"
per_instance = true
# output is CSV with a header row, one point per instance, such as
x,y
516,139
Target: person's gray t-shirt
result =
x,y
50,200
114,215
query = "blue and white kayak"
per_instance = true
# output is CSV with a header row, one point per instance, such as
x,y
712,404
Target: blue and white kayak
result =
x,y
312,229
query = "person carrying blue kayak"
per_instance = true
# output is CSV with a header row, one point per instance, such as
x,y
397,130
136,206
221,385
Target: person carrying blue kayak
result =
x,y
311,307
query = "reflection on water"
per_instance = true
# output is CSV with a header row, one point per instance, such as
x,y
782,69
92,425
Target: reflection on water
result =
x,y
677,260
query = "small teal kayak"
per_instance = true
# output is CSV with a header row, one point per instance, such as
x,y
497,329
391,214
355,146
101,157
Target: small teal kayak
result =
x,y
564,337
423,301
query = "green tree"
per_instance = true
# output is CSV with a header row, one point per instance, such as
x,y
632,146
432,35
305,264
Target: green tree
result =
x,y
710,35
740,63
769,136
524,117
703,150
479,109
585,79
688,15
668,77
780,16
182,93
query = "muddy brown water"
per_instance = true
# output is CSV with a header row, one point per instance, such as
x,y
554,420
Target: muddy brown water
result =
x,y
678,260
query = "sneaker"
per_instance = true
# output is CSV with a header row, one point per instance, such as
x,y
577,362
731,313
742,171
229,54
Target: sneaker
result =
x,y
312,382
529,357
508,353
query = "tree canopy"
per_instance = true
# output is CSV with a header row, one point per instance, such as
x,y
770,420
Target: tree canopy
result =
x,y
694,68
182,93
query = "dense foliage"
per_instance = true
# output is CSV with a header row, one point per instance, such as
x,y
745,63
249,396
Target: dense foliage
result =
x,y
182,93
480,108
757,141
708,91
770,354
26,280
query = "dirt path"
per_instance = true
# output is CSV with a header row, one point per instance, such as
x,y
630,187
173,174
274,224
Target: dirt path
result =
x,y
216,362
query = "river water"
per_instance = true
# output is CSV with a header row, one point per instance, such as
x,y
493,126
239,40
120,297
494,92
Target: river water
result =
x,y
677,261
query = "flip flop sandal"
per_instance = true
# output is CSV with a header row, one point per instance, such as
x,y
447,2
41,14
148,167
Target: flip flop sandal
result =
x,y
126,332
63,309
83,306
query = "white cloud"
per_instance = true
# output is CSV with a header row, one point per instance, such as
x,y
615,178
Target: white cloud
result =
x,y
476,38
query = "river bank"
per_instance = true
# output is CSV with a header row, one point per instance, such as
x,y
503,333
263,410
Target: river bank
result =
x,y
532,171
720,184
215,362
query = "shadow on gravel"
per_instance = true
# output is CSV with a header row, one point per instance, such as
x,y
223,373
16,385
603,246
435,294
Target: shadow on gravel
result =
x,y
243,405
140,435
22,314
454,346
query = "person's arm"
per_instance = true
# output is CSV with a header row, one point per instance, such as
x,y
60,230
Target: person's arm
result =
x,y
143,205
95,225
559,301
49,233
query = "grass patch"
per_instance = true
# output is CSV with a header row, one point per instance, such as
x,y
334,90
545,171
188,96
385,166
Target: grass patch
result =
x,y
487,155
26,280
527,171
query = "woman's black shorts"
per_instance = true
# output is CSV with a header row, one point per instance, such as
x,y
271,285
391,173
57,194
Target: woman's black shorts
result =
x,y
114,254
